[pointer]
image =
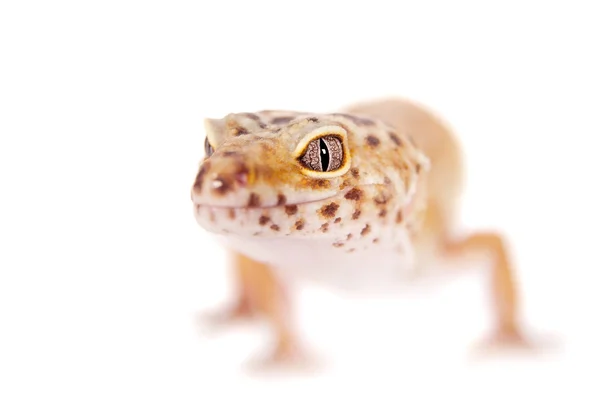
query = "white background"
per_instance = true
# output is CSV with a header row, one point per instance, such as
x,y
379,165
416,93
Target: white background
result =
x,y
103,270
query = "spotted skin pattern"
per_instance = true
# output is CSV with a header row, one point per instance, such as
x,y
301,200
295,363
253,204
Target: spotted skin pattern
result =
x,y
252,170
388,204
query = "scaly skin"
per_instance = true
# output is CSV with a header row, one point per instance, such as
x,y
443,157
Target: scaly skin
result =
x,y
389,202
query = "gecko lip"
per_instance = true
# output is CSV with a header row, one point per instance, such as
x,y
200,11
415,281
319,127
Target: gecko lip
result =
x,y
300,203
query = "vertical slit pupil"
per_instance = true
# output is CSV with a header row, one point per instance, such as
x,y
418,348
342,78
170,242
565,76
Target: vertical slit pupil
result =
x,y
324,153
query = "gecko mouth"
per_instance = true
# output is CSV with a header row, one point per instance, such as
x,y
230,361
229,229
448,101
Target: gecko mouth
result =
x,y
273,206
269,207
271,220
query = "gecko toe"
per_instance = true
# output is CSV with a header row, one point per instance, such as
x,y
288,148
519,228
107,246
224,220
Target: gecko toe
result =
x,y
514,343
285,359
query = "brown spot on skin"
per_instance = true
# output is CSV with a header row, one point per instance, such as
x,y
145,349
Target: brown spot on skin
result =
x,y
382,213
395,139
200,177
376,240
313,119
387,180
351,250
291,210
281,120
372,141
354,172
365,231
325,227
251,116
262,125
322,183
344,185
239,131
356,214
354,194
231,213
338,244
337,220
357,120
315,183
299,224
399,217
275,227
263,220
349,236
418,168
253,200
281,199
329,210
229,153
381,198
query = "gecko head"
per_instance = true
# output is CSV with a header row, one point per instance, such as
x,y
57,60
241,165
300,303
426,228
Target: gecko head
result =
x,y
279,174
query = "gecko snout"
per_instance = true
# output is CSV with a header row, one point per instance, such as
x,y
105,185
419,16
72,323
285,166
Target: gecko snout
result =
x,y
223,174
223,182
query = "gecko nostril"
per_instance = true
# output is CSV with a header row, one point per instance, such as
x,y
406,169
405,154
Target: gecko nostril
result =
x,y
241,178
220,184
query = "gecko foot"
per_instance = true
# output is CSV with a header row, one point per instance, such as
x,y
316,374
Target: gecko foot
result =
x,y
506,339
226,316
285,357
513,341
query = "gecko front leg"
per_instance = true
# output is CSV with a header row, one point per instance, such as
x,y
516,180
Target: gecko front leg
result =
x,y
261,294
241,307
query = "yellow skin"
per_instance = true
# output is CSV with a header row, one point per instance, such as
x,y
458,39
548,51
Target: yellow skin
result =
x,y
390,197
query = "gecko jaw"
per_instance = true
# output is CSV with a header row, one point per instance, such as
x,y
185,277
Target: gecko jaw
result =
x,y
343,214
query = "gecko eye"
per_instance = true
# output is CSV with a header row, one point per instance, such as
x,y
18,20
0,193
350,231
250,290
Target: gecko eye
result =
x,y
208,149
323,154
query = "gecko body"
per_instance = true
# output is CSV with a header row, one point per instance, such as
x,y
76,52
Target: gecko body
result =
x,y
349,198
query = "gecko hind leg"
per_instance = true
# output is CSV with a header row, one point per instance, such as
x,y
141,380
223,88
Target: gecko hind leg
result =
x,y
508,332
